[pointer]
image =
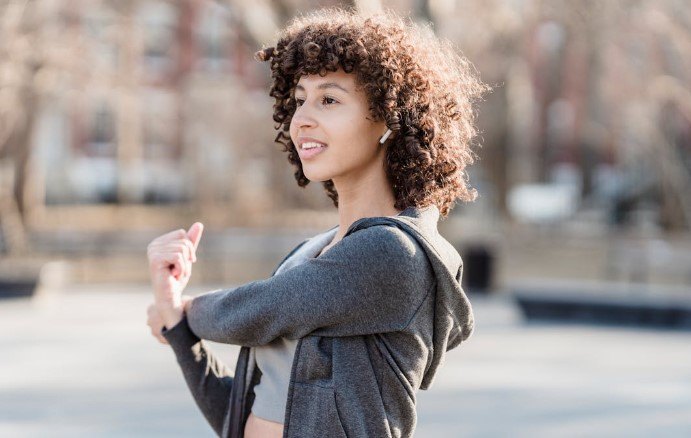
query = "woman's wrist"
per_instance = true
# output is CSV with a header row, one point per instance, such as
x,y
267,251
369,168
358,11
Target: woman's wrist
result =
x,y
170,315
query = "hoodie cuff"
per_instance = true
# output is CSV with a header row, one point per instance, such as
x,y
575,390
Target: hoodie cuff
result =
x,y
180,336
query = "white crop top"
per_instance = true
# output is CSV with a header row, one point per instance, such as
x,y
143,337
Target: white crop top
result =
x,y
275,360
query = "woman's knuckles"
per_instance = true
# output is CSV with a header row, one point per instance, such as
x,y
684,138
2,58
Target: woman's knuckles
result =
x,y
170,253
172,236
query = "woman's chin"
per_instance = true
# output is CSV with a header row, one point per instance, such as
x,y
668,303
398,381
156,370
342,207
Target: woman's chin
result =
x,y
316,176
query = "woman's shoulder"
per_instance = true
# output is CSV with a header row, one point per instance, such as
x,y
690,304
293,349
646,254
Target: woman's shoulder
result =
x,y
391,248
391,238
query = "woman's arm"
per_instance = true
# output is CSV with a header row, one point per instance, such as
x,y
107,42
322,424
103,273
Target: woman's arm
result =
x,y
372,281
208,379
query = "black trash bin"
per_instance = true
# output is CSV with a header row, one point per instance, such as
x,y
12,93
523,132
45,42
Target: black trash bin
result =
x,y
478,266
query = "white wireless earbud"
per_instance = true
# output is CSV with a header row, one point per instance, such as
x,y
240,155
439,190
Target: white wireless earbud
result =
x,y
385,136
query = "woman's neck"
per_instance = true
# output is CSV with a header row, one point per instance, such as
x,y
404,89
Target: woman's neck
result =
x,y
367,197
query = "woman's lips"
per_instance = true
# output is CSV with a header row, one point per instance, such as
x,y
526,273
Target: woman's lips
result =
x,y
306,154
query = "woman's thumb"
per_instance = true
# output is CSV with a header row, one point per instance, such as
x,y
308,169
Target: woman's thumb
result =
x,y
195,233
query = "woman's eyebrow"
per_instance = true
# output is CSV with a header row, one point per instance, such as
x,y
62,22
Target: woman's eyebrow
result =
x,y
323,86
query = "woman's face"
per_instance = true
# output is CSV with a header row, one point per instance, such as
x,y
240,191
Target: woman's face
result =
x,y
333,116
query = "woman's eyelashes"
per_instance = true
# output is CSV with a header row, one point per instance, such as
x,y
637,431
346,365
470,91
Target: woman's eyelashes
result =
x,y
326,100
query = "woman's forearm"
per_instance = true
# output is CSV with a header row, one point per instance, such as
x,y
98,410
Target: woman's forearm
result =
x,y
208,379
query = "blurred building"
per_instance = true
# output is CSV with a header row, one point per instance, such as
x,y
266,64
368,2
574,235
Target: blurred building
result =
x,y
170,90
157,102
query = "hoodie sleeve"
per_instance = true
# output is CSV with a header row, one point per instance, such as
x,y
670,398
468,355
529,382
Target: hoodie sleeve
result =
x,y
372,281
207,378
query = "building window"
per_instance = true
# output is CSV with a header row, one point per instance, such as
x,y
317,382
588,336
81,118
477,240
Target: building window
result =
x,y
101,137
158,22
213,35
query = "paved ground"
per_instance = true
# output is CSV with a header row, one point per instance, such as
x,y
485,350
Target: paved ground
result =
x,y
81,363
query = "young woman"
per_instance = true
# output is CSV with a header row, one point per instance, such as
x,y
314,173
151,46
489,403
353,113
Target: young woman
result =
x,y
358,318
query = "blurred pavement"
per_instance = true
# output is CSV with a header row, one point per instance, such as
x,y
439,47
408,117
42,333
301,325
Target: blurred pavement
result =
x,y
82,363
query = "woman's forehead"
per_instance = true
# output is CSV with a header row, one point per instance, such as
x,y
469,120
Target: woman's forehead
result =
x,y
335,79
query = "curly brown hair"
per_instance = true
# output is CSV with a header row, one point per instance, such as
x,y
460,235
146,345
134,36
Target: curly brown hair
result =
x,y
417,83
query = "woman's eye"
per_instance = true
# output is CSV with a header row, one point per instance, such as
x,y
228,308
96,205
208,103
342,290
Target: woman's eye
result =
x,y
325,101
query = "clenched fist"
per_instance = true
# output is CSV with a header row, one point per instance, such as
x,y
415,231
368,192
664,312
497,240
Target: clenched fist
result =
x,y
170,266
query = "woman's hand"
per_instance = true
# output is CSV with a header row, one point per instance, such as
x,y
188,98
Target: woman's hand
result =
x,y
155,321
170,266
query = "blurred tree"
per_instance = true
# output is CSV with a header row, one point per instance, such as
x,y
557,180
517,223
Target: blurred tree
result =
x,y
569,74
20,62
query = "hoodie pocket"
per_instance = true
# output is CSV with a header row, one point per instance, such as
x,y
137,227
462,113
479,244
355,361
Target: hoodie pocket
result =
x,y
314,412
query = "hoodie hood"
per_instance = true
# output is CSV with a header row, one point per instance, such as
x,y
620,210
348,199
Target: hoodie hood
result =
x,y
453,321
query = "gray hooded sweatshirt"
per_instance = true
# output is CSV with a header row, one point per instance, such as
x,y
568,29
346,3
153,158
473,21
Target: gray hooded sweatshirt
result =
x,y
374,317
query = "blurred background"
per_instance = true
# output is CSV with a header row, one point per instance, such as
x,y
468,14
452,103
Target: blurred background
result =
x,y
121,120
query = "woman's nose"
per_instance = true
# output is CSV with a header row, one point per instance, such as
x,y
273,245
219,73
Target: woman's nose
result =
x,y
302,117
